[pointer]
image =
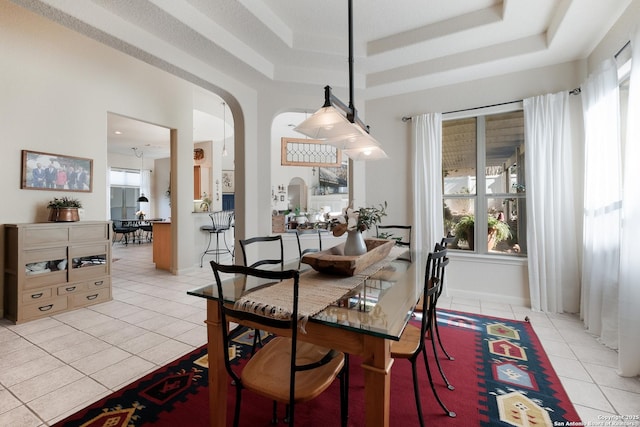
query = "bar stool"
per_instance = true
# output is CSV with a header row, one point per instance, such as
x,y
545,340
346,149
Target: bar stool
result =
x,y
220,223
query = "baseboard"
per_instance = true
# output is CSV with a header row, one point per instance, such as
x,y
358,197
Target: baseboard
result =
x,y
484,296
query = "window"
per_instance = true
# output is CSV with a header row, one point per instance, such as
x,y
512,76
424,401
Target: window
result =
x,y
493,144
125,190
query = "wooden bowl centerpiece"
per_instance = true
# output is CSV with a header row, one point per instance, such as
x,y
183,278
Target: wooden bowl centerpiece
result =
x,y
333,260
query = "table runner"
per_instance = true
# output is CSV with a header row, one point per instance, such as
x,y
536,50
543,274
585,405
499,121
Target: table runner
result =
x,y
316,291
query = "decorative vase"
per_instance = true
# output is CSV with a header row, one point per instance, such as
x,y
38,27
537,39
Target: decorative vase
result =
x,y
355,244
63,214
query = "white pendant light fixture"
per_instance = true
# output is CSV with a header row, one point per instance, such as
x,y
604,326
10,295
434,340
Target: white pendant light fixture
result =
x,y
224,130
337,122
142,197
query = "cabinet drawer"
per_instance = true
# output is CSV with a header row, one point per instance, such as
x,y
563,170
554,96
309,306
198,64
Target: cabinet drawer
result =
x,y
45,279
101,283
89,285
91,297
45,236
90,232
36,296
71,288
44,308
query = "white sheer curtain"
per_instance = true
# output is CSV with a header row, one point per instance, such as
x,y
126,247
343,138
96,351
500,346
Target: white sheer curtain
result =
x,y
428,223
554,276
629,291
602,203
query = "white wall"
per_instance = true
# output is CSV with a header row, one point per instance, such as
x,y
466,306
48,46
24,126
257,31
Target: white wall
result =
x,y
58,86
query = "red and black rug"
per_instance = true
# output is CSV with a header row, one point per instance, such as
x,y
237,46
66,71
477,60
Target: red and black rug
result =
x,y
501,374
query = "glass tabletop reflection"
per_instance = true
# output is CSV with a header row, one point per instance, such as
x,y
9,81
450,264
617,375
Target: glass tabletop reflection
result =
x,y
380,305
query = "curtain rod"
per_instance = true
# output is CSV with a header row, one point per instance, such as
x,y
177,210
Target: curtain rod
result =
x,y
575,91
627,44
407,118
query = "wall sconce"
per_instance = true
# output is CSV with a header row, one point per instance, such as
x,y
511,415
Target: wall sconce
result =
x,y
217,189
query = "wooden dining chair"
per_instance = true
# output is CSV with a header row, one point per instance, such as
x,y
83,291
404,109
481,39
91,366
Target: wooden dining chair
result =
x,y
285,370
412,343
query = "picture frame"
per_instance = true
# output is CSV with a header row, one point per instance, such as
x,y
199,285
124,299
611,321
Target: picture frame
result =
x,y
334,180
56,172
228,182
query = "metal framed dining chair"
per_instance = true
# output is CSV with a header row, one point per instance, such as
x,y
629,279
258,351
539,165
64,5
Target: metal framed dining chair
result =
x,y
286,369
270,245
412,343
126,231
302,232
444,243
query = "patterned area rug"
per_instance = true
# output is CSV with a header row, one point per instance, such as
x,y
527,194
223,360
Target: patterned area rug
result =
x,y
501,374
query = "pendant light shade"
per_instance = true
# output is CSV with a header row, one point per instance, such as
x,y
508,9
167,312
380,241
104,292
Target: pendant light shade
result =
x,y
369,153
142,197
358,139
325,123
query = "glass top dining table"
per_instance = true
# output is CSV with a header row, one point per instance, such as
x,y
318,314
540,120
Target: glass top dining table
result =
x,y
363,322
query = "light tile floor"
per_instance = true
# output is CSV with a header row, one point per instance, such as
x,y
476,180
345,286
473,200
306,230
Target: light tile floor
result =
x,y
52,367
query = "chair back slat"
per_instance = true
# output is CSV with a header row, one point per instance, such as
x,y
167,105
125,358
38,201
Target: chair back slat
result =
x,y
271,244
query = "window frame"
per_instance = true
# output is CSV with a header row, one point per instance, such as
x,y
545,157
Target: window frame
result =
x,y
481,197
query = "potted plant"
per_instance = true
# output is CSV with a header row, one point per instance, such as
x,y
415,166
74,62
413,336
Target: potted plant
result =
x,y
64,209
206,202
497,231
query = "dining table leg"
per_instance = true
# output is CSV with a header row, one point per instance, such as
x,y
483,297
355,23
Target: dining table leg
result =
x,y
376,364
217,372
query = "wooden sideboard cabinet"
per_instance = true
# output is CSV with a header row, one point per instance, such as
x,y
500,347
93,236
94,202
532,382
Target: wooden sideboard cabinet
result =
x,y
55,267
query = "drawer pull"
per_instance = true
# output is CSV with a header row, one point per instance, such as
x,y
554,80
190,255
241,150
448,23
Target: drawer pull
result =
x,y
92,297
46,307
98,283
70,289
36,296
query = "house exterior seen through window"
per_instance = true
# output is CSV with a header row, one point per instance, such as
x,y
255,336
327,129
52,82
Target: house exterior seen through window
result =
x,y
493,144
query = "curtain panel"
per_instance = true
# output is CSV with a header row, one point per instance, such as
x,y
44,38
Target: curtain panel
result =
x,y
554,275
428,221
629,281
602,203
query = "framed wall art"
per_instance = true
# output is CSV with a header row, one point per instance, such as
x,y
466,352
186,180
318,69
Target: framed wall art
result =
x,y
228,183
47,171
334,180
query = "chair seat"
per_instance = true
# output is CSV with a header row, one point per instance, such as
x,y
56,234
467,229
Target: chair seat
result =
x,y
408,344
267,372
